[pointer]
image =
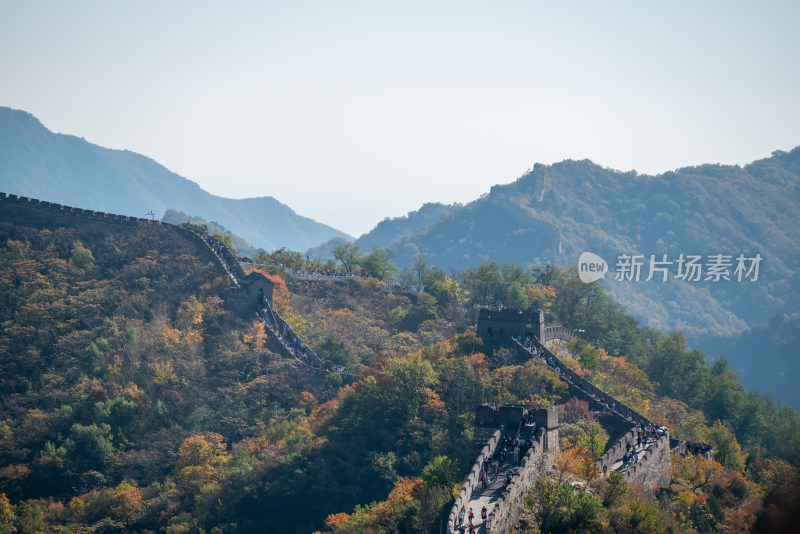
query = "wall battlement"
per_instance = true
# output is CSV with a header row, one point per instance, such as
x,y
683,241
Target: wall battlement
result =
x,y
558,333
536,462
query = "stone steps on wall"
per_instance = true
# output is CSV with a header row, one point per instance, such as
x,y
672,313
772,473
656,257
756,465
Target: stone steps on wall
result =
x,y
480,435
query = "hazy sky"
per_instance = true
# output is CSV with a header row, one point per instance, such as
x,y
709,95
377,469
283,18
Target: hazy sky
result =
x,y
354,111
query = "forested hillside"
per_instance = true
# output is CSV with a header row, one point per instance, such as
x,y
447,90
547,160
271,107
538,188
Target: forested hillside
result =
x,y
131,401
119,363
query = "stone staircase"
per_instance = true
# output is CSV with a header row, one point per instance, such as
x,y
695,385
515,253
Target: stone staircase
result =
x,y
480,436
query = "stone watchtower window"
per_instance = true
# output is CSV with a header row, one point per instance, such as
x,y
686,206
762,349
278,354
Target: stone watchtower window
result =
x,y
490,331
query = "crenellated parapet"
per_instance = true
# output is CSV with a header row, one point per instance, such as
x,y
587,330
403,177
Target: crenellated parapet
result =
x,y
9,201
615,452
654,466
579,386
557,333
536,463
544,445
473,479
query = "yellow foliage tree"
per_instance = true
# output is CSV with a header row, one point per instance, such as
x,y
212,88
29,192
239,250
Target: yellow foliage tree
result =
x,y
307,401
164,374
541,296
171,335
126,501
190,313
212,306
695,471
255,336
81,256
201,459
7,516
576,460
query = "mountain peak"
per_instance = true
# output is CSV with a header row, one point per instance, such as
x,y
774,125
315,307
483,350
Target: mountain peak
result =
x,y
38,163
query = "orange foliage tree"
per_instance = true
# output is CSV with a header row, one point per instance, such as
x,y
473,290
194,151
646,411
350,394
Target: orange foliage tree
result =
x,y
386,515
255,336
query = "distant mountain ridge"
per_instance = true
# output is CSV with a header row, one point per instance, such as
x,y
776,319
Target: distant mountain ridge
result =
x,y
69,170
555,212
390,229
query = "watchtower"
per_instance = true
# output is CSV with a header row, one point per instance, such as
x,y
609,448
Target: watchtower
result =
x,y
251,295
497,326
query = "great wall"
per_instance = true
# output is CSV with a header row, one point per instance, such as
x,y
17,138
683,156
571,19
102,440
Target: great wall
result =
x,y
505,328
250,296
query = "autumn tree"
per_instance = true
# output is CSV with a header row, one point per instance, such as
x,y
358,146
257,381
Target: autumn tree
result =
x,y
190,313
200,464
281,298
699,471
126,500
448,292
255,336
395,514
81,256
7,516
540,296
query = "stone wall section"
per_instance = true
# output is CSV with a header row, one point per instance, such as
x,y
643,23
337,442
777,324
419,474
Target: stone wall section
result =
x,y
536,463
473,479
557,333
654,468
24,210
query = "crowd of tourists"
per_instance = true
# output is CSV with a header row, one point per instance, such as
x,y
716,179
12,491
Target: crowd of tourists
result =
x,y
316,273
511,448
697,449
644,434
466,520
311,270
